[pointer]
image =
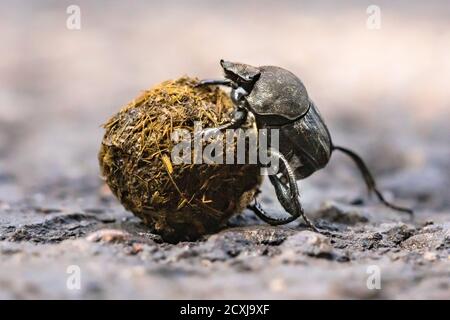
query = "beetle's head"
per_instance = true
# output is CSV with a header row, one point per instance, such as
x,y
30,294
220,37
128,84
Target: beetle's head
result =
x,y
242,74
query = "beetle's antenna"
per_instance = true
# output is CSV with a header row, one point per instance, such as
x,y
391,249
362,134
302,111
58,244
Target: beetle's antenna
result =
x,y
368,178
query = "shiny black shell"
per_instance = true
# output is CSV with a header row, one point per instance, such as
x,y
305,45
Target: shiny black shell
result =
x,y
310,143
278,92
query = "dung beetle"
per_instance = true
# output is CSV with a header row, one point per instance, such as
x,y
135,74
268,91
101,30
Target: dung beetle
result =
x,y
278,99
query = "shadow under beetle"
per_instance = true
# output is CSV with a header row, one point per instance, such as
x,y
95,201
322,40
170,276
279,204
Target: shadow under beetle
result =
x,y
278,99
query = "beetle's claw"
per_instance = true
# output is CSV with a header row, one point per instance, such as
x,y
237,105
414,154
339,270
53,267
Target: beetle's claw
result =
x,y
314,228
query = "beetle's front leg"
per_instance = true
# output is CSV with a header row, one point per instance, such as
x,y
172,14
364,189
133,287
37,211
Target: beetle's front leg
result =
x,y
240,114
237,95
215,82
239,118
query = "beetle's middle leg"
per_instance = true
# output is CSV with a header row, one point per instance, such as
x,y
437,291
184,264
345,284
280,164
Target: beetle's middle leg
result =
x,y
286,195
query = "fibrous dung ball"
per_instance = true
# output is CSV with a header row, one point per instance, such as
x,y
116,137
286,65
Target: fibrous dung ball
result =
x,y
178,201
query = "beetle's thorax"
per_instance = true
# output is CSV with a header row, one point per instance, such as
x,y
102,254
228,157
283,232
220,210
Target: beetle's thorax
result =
x,y
278,92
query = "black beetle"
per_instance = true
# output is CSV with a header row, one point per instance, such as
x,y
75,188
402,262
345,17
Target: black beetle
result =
x,y
278,99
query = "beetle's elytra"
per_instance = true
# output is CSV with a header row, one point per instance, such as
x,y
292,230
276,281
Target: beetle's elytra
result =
x,y
278,99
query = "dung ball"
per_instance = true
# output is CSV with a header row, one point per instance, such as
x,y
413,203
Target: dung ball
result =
x,y
179,201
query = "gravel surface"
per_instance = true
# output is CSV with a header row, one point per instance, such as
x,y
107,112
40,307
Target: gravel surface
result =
x,y
79,223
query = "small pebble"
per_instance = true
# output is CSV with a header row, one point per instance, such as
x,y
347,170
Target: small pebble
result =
x,y
430,256
108,235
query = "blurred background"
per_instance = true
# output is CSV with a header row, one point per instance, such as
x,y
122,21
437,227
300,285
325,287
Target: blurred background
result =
x,y
384,92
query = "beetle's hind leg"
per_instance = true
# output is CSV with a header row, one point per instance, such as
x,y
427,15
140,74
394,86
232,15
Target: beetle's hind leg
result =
x,y
286,195
370,181
264,216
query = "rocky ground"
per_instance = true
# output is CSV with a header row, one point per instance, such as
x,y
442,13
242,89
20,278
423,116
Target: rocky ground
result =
x,y
382,92
78,223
